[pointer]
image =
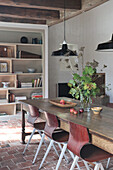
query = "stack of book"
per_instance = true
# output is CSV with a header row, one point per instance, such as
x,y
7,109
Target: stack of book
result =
x,y
26,85
38,82
3,101
36,95
17,98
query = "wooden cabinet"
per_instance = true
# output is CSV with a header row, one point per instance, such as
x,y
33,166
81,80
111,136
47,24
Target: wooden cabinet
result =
x,y
22,65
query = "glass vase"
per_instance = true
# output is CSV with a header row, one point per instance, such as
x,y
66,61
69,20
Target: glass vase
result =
x,y
85,103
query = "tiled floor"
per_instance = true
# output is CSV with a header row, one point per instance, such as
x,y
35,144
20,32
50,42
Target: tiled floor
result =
x,y
11,149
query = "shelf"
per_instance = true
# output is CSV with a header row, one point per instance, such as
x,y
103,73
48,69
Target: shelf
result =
x,y
7,73
12,103
18,58
19,65
20,44
36,59
9,108
14,88
8,78
31,88
28,74
6,58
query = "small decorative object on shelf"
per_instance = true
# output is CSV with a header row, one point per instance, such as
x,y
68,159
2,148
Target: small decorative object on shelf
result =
x,y
18,84
3,67
34,40
31,70
24,40
18,54
5,84
11,97
25,54
40,41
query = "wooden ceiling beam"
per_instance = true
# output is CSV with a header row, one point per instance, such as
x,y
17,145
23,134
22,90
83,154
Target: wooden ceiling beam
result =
x,y
44,4
30,13
21,20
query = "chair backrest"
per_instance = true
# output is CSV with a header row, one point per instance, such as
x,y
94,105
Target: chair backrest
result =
x,y
78,137
51,124
33,114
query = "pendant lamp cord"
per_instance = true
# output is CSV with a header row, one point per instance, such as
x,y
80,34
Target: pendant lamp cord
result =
x,y
64,22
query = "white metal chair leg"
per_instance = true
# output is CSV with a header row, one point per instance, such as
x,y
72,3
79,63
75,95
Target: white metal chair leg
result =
x,y
71,153
101,166
86,165
73,156
108,163
49,147
97,166
38,149
61,156
64,153
74,162
39,133
41,137
29,140
54,147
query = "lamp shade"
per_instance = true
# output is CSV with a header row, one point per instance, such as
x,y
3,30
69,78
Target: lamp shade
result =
x,y
107,46
64,51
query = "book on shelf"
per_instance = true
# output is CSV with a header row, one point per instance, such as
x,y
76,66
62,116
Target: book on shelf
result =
x,y
25,85
36,95
3,114
38,82
3,101
17,98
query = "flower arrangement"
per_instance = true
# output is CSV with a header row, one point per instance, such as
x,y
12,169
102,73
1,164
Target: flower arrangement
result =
x,y
84,87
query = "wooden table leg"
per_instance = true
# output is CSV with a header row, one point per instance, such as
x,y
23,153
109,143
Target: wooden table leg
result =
x,y
23,126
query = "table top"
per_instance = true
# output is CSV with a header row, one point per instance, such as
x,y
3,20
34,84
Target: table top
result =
x,y
97,124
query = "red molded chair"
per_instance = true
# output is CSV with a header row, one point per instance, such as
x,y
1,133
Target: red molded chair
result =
x,y
79,144
55,134
36,122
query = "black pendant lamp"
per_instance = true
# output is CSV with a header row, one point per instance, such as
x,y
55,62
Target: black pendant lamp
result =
x,y
107,46
64,51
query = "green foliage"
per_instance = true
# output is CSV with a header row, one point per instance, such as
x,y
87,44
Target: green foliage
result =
x,y
84,84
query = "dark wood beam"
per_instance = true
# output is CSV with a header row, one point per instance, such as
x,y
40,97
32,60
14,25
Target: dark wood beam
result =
x,y
30,12
47,4
21,20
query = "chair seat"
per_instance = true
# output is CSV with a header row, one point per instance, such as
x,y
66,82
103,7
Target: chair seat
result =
x,y
59,135
62,136
39,126
92,153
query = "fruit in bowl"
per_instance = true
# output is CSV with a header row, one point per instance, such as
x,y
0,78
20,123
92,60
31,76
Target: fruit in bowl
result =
x,y
72,110
81,110
62,102
75,112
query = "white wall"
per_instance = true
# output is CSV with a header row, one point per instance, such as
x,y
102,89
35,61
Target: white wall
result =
x,y
88,29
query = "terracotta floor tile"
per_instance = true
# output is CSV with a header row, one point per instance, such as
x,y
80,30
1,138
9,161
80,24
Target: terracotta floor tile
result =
x,y
11,148
5,168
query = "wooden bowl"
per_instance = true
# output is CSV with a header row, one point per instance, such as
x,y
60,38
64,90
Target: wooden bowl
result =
x,y
96,110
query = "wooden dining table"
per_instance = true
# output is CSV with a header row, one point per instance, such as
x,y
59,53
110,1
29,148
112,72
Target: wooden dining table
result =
x,y
100,126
